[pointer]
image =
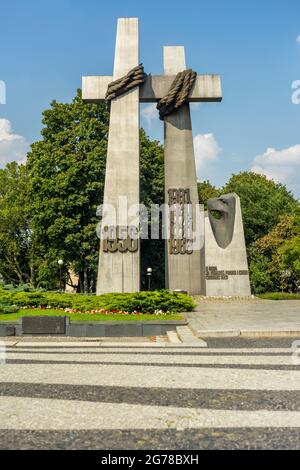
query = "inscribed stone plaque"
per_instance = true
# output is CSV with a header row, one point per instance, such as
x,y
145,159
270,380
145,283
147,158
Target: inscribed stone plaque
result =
x,y
44,325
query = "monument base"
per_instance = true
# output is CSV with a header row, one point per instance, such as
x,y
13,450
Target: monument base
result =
x,y
226,263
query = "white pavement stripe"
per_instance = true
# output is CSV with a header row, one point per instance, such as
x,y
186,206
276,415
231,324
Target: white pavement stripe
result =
x,y
151,376
45,414
45,347
173,337
150,359
58,344
7,342
87,344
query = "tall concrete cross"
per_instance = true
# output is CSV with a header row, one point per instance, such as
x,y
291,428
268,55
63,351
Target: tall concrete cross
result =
x,y
119,267
119,271
185,267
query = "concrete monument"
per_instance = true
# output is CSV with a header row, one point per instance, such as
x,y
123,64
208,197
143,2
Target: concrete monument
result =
x,y
119,265
184,262
119,259
225,250
219,269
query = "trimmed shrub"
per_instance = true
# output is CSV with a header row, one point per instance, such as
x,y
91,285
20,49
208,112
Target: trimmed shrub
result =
x,y
279,296
20,288
7,307
144,302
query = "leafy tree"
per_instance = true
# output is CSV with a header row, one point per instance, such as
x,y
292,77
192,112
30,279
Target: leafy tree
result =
x,y
263,202
152,192
207,191
66,172
290,258
260,277
274,258
15,235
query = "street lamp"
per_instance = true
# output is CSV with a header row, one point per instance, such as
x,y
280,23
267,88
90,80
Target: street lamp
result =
x,y
149,274
285,275
60,263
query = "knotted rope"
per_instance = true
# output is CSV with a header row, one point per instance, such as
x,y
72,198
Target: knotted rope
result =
x,y
135,77
177,94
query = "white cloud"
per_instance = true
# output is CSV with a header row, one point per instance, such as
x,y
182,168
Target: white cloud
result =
x,y
298,39
207,151
282,166
12,146
149,113
2,92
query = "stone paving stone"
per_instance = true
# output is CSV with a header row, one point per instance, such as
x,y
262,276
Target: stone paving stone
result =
x,y
188,337
173,337
191,439
236,393
235,317
21,412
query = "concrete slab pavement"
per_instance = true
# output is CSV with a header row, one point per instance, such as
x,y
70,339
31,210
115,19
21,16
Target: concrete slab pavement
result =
x,y
253,317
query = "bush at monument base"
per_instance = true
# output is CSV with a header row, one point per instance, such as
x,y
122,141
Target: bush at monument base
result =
x,y
279,296
90,317
144,302
8,307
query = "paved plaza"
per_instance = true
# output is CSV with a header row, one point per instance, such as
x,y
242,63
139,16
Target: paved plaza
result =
x,y
247,317
235,393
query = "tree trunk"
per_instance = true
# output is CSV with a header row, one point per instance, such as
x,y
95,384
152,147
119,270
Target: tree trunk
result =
x,y
85,281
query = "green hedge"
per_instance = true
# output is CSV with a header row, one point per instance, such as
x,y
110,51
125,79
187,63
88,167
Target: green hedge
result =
x,y
8,307
20,288
279,296
145,302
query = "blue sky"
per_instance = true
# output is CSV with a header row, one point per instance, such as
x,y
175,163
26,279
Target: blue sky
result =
x,y
46,46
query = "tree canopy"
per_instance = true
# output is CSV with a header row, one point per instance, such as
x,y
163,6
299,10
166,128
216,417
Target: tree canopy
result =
x,y
66,171
274,258
207,191
263,201
15,233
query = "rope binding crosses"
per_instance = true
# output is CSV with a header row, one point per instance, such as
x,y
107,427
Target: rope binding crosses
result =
x,y
178,93
135,77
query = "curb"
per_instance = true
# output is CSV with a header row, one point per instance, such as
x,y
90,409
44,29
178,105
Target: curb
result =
x,y
248,333
173,337
188,337
92,329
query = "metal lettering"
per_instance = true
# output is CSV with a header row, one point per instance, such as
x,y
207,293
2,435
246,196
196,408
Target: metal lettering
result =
x,y
120,239
181,222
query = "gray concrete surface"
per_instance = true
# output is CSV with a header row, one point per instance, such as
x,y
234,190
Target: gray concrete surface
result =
x,y
98,329
206,88
231,258
187,336
183,271
120,272
246,317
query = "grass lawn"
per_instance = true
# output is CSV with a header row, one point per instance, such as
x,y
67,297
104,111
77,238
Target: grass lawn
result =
x,y
12,317
278,296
